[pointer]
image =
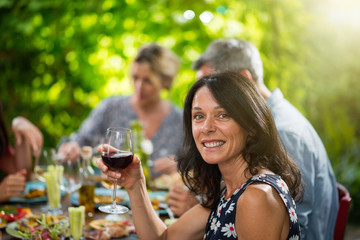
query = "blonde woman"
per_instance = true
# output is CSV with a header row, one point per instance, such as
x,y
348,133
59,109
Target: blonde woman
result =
x,y
152,70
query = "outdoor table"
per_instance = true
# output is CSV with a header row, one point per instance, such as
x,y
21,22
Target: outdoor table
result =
x,y
65,201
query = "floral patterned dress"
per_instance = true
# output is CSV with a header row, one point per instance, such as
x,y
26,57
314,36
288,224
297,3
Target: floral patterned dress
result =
x,y
221,222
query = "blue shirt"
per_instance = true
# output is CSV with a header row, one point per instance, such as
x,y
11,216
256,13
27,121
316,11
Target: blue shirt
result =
x,y
318,211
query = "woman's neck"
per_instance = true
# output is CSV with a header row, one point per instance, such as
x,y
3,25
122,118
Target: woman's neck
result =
x,y
236,179
234,175
151,115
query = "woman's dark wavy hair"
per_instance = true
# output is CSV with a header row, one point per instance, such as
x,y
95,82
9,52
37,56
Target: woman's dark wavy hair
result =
x,y
263,149
4,139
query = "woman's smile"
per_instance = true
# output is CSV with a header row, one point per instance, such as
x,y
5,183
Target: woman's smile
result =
x,y
213,144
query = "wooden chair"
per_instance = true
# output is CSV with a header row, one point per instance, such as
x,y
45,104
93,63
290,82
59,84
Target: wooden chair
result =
x,y
344,205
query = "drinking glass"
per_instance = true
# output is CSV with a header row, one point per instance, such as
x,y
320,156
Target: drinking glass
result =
x,y
42,163
45,159
105,182
52,177
71,178
117,154
77,222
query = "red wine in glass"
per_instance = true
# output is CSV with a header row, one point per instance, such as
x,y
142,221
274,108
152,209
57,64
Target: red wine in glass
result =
x,y
117,154
118,160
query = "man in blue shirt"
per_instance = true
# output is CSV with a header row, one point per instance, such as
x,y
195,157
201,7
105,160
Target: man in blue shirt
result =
x,y
318,211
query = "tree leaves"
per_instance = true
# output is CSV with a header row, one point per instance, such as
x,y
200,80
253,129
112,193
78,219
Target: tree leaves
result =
x,y
59,58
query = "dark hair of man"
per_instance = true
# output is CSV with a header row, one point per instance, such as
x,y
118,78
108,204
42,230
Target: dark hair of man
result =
x,y
4,139
263,147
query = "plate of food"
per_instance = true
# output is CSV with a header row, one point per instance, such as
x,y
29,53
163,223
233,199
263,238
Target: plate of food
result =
x,y
10,214
35,192
159,201
33,226
111,229
102,196
165,181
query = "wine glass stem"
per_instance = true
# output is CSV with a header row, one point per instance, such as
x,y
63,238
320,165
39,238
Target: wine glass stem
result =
x,y
114,194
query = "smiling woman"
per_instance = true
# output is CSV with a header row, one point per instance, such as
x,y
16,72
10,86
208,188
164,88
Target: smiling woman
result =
x,y
153,69
230,136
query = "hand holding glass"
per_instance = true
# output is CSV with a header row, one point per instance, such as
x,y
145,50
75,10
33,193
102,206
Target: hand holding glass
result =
x,y
117,154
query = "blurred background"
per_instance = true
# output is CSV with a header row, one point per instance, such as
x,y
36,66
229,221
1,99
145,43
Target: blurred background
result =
x,y
59,58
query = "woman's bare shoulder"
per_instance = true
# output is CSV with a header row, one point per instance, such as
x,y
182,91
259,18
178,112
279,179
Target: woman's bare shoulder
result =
x,y
260,195
261,207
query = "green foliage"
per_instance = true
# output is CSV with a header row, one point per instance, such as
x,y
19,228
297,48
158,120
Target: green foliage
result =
x,y
59,58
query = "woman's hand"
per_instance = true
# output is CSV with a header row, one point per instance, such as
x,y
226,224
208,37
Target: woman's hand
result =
x,y
70,150
24,130
165,165
127,177
181,200
13,185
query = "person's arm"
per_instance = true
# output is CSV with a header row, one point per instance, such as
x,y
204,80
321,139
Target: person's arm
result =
x,y
27,137
90,132
165,165
23,159
181,200
191,225
23,129
305,160
70,150
261,214
147,224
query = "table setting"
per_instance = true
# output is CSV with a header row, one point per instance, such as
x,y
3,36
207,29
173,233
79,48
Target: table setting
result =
x,y
52,205
28,208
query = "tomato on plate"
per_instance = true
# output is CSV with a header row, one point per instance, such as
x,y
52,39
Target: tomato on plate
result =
x,y
11,214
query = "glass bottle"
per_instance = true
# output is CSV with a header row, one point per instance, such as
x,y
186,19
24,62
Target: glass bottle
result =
x,y
87,189
142,148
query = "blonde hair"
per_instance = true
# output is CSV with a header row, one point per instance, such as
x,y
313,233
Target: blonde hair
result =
x,y
162,61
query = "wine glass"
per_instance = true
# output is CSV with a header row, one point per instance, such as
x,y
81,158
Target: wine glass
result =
x,y
70,180
117,154
105,182
45,159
